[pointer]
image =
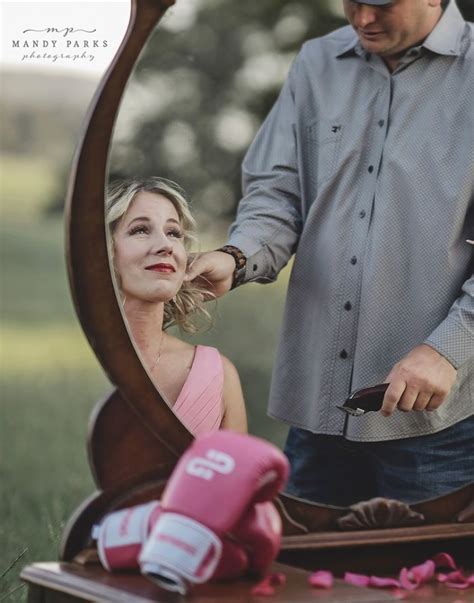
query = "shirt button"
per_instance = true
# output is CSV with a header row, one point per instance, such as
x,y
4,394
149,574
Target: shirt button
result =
x,y
381,122
353,260
254,267
371,169
343,354
348,306
362,214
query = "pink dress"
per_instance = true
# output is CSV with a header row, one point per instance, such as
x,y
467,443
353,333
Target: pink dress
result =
x,y
200,404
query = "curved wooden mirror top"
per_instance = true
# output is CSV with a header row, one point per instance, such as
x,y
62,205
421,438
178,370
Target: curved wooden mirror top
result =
x,y
88,263
135,438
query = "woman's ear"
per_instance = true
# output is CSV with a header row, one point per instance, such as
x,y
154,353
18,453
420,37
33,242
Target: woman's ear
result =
x,y
191,259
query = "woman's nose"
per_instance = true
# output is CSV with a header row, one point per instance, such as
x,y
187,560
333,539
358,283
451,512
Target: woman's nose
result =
x,y
161,245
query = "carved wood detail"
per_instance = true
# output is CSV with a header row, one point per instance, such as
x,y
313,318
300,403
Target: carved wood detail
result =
x,y
379,513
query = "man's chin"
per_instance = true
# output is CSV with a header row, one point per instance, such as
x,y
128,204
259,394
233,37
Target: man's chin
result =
x,y
373,46
379,48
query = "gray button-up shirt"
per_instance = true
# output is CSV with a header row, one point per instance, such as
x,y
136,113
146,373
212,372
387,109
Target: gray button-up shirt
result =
x,y
369,177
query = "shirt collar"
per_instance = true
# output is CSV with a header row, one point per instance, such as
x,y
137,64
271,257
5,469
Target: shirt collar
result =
x,y
348,47
447,35
444,39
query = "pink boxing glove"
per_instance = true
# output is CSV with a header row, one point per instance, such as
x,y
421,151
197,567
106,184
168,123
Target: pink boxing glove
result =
x,y
260,535
252,547
213,486
121,535
257,538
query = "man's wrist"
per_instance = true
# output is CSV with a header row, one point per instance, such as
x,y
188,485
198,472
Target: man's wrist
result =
x,y
240,264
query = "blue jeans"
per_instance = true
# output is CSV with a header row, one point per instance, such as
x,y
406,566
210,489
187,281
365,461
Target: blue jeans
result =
x,y
335,471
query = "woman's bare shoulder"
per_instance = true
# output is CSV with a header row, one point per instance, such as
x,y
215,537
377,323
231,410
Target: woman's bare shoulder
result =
x,y
235,416
178,345
229,367
179,351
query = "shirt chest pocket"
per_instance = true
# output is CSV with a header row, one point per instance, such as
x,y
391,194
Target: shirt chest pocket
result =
x,y
323,142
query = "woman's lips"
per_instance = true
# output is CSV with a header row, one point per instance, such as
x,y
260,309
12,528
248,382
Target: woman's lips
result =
x,y
167,268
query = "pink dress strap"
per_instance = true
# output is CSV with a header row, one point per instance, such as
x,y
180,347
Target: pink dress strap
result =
x,y
200,404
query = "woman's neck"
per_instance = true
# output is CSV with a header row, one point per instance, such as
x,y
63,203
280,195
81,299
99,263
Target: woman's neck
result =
x,y
145,321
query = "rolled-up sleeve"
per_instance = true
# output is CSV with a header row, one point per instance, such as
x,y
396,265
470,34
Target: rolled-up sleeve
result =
x,y
454,337
268,222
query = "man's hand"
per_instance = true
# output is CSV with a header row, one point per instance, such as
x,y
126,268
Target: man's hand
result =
x,y
420,381
213,270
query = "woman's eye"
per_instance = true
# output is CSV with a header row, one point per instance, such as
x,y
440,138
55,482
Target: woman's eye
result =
x,y
138,230
175,233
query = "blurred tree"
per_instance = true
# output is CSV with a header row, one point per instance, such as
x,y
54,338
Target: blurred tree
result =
x,y
199,94
203,85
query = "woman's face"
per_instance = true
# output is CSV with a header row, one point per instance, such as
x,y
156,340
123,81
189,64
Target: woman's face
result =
x,y
149,254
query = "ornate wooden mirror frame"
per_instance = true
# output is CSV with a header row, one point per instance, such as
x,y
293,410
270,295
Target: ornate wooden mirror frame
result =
x,y
135,439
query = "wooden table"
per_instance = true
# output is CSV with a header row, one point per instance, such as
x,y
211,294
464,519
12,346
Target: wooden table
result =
x,y
67,582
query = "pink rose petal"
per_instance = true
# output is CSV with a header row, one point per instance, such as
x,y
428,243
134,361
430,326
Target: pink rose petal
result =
x,y
458,585
444,560
356,579
399,594
423,572
451,576
321,579
263,589
442,578
379,582
458,580
411,578
454,579
405,580
266,587
277,579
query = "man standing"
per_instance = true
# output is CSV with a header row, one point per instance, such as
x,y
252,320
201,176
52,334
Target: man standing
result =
x,y
365,168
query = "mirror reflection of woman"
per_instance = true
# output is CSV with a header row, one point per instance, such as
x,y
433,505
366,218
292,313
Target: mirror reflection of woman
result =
x,y
151,231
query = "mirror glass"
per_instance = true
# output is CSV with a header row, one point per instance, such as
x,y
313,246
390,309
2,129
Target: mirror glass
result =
x,y
197,96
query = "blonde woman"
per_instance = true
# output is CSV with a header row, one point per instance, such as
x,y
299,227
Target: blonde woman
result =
x,y
151,228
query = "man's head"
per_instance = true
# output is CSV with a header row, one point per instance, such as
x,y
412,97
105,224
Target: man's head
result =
x,y
389,27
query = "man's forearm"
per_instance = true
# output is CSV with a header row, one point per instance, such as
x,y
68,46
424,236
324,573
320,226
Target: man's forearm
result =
x,y
454,337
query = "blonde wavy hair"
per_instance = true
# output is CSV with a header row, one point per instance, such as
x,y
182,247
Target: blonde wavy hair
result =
x,y
186,309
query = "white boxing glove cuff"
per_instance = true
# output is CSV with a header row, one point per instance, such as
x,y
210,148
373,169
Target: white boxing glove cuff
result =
x,y
121,535
180,550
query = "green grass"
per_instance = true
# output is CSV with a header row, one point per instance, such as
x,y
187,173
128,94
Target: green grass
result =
x,y
44,471
50,381
33,276
27,183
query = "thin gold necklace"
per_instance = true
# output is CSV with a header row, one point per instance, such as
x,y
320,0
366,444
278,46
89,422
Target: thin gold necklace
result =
x,y
155,364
